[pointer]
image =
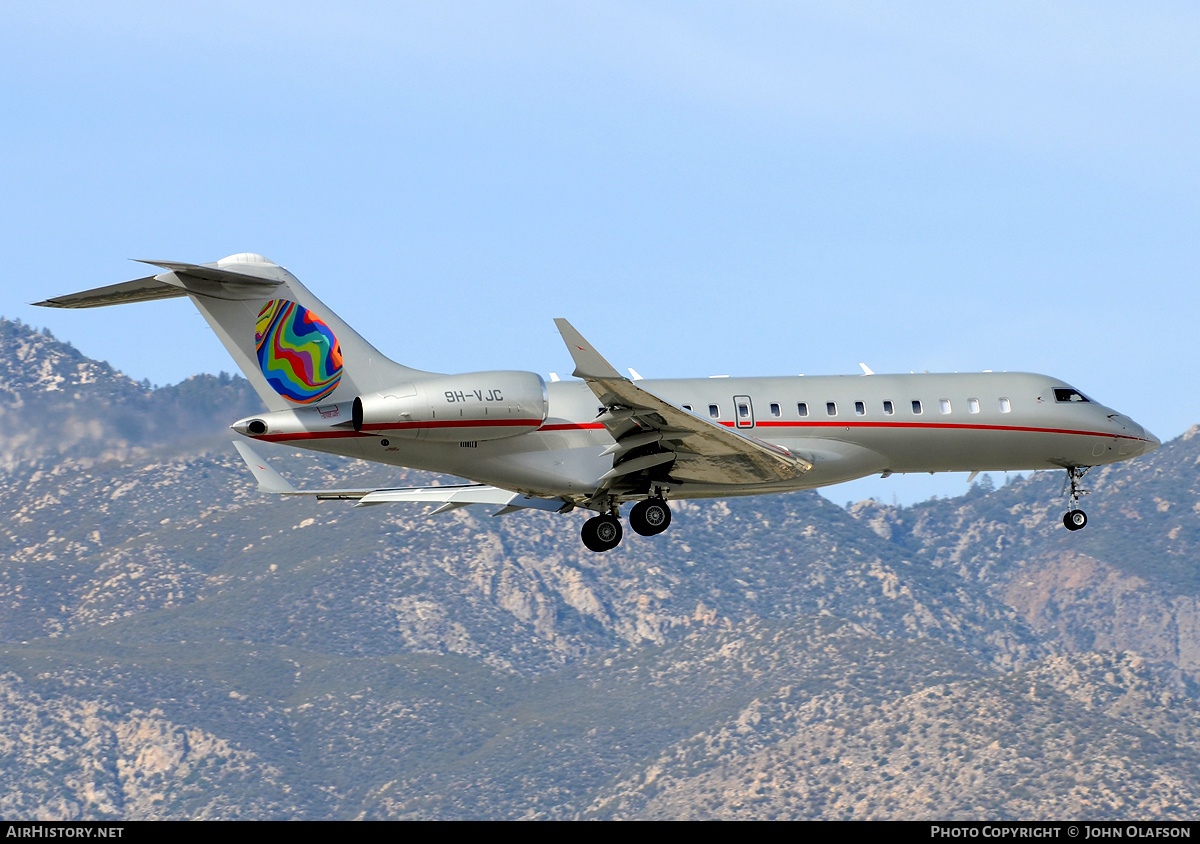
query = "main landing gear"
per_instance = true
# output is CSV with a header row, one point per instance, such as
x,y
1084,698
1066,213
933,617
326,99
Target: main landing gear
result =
x,y
1074,518
647,518
650,517
603,533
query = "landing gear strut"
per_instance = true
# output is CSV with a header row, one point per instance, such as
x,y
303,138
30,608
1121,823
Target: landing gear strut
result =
x,y
647,518
1074,518
602,533
650,517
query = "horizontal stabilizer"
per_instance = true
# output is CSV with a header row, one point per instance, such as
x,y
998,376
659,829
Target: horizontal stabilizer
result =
x,y
250,281
139,290
249,274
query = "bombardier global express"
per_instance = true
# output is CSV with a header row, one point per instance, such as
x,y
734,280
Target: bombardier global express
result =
x,y
605,440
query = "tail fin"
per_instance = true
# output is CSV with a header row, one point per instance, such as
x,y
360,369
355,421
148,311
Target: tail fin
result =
x,y
293,349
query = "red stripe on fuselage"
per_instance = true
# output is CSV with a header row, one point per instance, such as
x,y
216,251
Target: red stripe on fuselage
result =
x,y
591,426
310,435
960,426
455,423
400,426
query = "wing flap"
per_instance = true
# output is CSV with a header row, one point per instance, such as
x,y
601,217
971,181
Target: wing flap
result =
x,y
704,452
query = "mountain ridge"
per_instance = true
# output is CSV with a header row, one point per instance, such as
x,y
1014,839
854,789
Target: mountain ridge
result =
x,y
768,657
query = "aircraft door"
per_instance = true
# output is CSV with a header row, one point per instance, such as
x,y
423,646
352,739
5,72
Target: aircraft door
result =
x,y
743,412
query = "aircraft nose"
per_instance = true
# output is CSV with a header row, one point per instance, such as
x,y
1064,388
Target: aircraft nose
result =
x,y
1151,442
1135,439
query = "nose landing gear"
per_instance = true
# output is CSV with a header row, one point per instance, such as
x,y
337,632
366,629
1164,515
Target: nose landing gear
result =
x,y
1074,518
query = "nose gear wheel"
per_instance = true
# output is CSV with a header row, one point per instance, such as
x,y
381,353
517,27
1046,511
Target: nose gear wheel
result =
x,y
1074,518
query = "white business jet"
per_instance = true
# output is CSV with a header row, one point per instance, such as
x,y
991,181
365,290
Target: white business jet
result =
x,y
606,440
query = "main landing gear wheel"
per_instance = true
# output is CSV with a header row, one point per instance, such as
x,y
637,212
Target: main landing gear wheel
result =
x,y
1074,518
650,517
602,533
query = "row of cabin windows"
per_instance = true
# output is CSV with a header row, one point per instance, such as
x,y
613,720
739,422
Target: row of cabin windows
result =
x,y
860,408
889,408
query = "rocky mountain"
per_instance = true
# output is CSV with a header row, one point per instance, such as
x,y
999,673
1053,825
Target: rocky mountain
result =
x,y
55,402
176,645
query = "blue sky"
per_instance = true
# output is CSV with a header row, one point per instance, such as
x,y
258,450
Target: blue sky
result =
x,y
702,188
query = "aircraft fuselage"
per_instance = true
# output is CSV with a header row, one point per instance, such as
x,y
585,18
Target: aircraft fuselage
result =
x,y
848,426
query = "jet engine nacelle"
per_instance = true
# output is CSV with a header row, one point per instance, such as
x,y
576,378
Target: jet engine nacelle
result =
x,y
469,407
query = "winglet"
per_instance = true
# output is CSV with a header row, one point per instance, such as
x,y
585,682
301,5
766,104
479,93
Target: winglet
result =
x,y
268,479
589,364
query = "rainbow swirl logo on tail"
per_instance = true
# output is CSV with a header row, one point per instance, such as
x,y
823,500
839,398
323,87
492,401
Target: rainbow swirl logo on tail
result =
x,y
297,353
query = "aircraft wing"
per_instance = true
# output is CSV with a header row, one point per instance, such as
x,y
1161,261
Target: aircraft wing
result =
x,y
450,497
650,432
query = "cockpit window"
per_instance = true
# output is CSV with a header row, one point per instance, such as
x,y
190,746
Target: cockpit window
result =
x,y
1062,394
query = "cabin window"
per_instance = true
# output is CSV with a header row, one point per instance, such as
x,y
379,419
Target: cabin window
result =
x,y
831,408
860,408
802,408
916,405
1069,395
1005,406
972,405
687,407
775,411
944,405
888,408
714,411
743,410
